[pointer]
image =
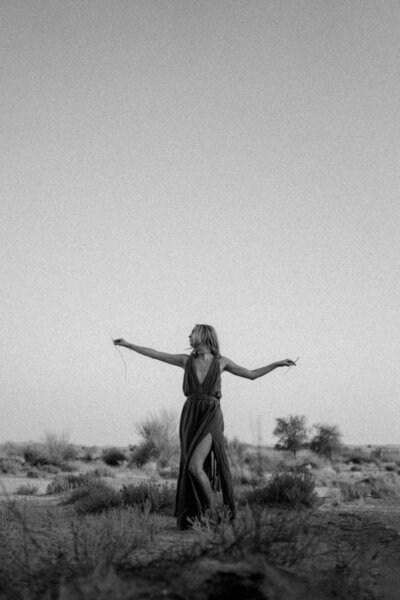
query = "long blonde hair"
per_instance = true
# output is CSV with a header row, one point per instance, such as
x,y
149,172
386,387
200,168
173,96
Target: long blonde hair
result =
x,y
208,339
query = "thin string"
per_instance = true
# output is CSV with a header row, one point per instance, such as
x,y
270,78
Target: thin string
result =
x,y
121,355
295,361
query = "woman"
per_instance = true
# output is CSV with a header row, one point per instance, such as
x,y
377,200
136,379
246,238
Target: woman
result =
x,y
203,465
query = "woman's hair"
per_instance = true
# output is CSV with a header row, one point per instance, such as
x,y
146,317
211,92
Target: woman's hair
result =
x,y
208,339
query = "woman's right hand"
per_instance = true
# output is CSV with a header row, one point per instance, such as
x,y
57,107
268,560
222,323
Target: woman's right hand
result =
x,y
119,342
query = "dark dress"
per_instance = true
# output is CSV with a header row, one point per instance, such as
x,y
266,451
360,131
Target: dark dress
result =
x,y
201,415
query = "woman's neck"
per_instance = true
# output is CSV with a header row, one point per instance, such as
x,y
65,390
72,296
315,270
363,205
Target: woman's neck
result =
x,y
203,353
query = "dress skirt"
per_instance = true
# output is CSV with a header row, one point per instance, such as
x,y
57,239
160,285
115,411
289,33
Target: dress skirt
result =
x,y
202,415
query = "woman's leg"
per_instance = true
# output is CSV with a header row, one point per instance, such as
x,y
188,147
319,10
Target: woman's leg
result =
x,y
196,469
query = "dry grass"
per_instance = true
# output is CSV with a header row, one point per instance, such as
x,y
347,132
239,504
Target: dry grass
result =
x,y
39,550
108,543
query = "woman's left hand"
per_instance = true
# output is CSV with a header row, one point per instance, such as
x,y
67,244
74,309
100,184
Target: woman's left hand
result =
x,y
287,363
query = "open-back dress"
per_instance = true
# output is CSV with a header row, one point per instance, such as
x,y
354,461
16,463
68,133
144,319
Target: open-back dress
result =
x,y
202,415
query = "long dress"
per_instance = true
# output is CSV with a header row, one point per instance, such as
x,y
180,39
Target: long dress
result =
x,y
202,415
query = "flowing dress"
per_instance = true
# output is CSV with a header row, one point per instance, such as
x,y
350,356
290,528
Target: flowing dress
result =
x,y
202,415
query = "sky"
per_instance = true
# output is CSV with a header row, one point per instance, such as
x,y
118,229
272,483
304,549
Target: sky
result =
x,y
167,163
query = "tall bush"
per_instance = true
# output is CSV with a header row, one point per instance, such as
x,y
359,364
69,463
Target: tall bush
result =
x,y
159,432
59,448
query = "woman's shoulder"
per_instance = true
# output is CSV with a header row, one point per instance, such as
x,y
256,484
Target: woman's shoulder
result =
x,y
223,362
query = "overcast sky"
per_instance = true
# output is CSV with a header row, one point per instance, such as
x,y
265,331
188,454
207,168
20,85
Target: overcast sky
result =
x,y
166,163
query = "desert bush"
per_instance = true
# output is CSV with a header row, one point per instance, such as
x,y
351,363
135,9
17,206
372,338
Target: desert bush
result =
x,y
304,460
158,498
261,462
144,453
352,491
381,488
68,467
33,474
93,497
250,465
66,483
59,449
87,455
26,490
113,457
102,472
358,456
375,487
55,451
390,467
111,537
295,490
10,465
35,454
160,432
10,450
247,478
49,469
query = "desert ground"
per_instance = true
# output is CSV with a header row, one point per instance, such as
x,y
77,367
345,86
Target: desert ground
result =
x,y
307,527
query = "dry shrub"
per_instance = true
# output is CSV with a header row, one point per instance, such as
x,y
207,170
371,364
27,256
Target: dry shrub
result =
x,y
305,459
33,474
35,454
59,448
10,466
103,472
251,465
375,487
66,483
93,497
26,490
261,461
358,456
11,450
142,454
160,438
390,467
40,554
294,490
158,498
55,451
113,457
48,469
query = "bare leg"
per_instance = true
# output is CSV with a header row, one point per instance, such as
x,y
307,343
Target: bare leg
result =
x,y
196,468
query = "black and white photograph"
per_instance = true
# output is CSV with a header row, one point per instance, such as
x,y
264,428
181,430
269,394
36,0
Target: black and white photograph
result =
x,y
200,299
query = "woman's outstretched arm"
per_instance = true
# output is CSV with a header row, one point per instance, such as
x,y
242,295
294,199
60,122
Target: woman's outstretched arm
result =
x,y
179,360
231,367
